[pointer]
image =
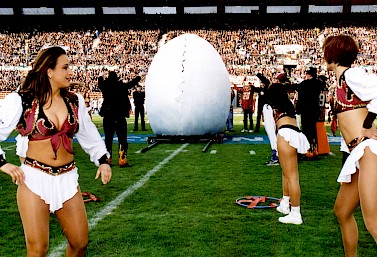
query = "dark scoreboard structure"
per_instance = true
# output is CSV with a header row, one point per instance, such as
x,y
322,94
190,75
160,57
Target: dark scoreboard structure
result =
x,y
227,14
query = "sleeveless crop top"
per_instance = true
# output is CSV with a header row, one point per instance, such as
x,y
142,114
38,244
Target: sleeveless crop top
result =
x,y
345,99
278,115
36,125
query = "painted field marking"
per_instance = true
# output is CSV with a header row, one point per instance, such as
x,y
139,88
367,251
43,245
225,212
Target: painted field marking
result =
x,y
107,210
9,147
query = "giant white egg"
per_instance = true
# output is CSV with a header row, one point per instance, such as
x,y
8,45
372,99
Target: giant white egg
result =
x,y
187,89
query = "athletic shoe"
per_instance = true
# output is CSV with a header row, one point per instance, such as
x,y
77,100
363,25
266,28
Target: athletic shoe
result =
x,y
315,152
283,209
309,154
251,131
292,218
272,163
123,162
243,130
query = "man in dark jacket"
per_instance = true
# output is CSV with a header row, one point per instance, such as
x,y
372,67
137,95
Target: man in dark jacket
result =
x,y
261,102
308,107
115,109
139,98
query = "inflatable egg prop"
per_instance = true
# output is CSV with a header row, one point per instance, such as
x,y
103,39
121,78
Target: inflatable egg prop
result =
x,y
187,89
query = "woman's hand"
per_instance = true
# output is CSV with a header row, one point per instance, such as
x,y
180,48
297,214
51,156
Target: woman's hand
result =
x,y
104,171
18,175
369,133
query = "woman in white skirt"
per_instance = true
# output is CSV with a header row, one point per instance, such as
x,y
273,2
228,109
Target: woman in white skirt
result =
x,y
355,104
290,142
47,116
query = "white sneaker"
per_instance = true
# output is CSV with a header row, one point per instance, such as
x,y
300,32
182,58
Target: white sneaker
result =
x,y
292,218
272,163
251,131
243,130
283,209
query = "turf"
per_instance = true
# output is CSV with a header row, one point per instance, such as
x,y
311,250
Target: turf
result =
x,y
183,203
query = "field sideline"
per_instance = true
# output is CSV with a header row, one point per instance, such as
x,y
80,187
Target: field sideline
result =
x,y
176,200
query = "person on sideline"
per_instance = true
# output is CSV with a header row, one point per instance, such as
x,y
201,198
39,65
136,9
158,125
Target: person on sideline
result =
x,y
261,102
308,107
87,100
115,109
229,120
355,105
290,141
49,116
247,104
139,99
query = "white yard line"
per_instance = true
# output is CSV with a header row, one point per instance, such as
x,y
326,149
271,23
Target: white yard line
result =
x,y
9,147
107,210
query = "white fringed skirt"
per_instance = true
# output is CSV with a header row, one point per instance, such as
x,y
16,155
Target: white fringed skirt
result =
x,y
352,162
295,139
53,190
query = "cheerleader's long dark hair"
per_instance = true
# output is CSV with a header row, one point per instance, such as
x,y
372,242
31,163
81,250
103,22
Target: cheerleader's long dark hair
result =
x,y
36,82
278,98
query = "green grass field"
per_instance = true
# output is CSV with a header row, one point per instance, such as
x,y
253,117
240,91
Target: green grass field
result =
x,y
176,200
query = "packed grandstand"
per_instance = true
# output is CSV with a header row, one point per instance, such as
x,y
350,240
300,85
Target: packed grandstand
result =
x,y
244,52
248,44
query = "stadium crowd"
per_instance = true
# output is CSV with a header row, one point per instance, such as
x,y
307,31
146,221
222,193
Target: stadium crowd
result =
x,y
245,52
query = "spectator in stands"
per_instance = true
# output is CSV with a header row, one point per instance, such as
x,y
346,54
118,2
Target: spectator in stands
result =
x,y
244,51
49,115
355,105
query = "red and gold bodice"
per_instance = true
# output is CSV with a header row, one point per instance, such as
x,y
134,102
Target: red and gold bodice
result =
x,y
37,126
344,99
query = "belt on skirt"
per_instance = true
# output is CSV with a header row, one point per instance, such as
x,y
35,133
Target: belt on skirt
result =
x,y
290,127
351,145
54,171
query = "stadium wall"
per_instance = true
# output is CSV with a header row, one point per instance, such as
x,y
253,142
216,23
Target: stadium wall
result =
x,y
175,21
